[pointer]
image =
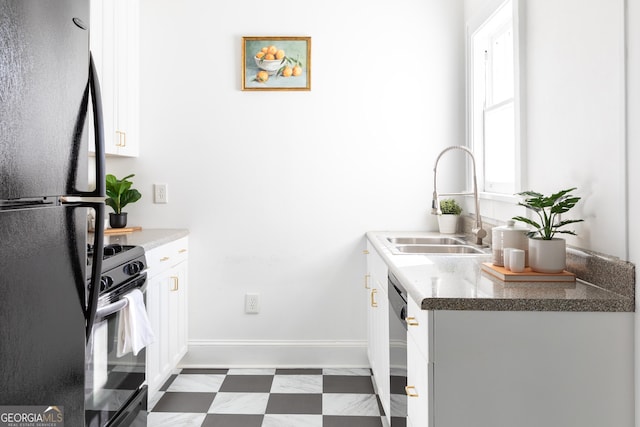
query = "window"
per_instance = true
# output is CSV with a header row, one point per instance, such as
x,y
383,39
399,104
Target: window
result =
x,y
494,111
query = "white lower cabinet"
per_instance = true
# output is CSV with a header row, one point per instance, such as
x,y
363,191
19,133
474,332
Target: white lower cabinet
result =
x,y
505,368
419,365
167,309
378,325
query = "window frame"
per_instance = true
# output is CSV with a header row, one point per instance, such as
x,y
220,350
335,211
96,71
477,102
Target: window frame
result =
x,y
474,134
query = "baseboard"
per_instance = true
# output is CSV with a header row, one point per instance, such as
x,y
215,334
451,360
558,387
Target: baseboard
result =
x,y
278,354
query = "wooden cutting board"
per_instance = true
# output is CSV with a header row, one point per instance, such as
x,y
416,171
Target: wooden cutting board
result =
x,y
527,275
108,231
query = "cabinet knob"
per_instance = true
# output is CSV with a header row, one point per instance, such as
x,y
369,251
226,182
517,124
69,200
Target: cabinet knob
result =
x,y
366,281
122,139
411,321
176,283
164,258
366,252
181,251
410,391
373,298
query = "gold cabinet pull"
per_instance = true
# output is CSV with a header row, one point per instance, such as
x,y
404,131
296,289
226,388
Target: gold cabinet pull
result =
x,y
366,252
164,258
176,283
411,321
411,391
373,297
122,139
366,281
181,251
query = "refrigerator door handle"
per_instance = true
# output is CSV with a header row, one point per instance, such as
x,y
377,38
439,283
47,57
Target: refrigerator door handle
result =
x,y
98,130
94,199
96,267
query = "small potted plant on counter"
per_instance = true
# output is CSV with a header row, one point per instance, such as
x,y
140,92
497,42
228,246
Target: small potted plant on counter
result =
x,y
547,254
120,194
448,216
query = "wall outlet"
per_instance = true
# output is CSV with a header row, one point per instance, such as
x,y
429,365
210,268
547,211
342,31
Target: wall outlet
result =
x,y
252,303
160,193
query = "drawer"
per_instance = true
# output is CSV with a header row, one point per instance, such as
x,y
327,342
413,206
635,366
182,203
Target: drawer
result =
x,y
166,256
418,328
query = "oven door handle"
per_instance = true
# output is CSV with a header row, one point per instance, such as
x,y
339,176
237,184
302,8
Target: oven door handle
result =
x,y
108,310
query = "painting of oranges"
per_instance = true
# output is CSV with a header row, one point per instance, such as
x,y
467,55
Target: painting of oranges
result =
x,y
276,63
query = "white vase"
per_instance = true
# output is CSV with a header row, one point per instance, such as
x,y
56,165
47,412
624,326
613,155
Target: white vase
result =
x,y
448,223
547,256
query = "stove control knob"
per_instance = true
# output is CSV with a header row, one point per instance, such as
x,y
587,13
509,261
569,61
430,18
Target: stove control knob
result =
x,y
133,268
105,283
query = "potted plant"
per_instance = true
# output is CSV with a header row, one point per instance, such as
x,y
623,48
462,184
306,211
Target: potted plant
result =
x,y
547,254
120,195
448,216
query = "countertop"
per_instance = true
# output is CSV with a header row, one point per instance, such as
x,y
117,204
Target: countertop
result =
x,y
147,238
437,282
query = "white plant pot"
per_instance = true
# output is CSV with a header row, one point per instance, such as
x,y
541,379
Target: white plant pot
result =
x,y
547,256
448,223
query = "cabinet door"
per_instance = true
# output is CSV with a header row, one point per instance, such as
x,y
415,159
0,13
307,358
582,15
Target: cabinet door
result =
x,y
378,324
157,352
419,389
177,313
126,87
380,337
114,43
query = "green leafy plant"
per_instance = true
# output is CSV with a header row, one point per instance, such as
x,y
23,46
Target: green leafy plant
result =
x,y
548,208
120,192
450,207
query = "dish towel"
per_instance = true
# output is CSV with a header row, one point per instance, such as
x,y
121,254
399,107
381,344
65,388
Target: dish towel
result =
x,y
134,329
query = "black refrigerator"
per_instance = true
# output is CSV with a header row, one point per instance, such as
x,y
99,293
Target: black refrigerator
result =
x,y
48,91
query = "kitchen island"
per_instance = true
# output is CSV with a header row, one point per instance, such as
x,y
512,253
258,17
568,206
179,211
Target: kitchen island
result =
x,y
482,352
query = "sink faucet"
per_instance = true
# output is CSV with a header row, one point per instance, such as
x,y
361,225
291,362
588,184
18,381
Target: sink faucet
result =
x,y
478,231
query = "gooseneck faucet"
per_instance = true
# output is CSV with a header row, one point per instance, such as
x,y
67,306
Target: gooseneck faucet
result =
x,y
478,231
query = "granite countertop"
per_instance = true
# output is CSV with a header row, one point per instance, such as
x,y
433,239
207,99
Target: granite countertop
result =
x,y
437,282
147,238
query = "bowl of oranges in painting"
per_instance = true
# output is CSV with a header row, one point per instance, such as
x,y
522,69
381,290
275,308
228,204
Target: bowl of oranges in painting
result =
x,y
272,60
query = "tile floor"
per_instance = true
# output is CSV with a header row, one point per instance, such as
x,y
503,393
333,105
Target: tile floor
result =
x,y
267,398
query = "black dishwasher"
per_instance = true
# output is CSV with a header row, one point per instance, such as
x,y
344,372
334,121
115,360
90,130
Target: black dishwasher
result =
x,y
397,351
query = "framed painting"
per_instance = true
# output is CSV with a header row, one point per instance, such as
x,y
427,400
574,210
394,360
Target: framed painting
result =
x,y
276,63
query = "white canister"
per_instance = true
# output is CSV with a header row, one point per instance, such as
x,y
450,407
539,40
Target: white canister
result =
x,y
509,236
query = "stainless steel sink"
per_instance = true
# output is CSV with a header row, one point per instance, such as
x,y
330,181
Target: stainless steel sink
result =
x,y
425,241
456,249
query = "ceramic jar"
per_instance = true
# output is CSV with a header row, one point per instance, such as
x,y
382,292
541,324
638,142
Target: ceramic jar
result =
x,y
509,236
548,256
448,223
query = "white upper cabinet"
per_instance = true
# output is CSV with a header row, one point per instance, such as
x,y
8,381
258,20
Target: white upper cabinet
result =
x,y
114,42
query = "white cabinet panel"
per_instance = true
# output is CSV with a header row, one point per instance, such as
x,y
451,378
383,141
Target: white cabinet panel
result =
x,y
378,324
114,43
167,308
419,386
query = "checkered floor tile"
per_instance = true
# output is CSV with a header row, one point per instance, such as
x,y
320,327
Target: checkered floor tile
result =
x,y
268,398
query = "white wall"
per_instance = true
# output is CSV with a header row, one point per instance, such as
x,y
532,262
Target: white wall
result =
x,y
279,188
575,112
575,92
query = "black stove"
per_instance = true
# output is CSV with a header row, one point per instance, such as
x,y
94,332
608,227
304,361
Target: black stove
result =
x,y
120,264
115,394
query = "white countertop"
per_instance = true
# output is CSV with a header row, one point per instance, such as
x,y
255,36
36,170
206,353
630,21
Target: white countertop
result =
x,y
147,238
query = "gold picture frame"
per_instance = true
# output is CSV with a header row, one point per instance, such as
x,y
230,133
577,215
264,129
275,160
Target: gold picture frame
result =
x,y
276,63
